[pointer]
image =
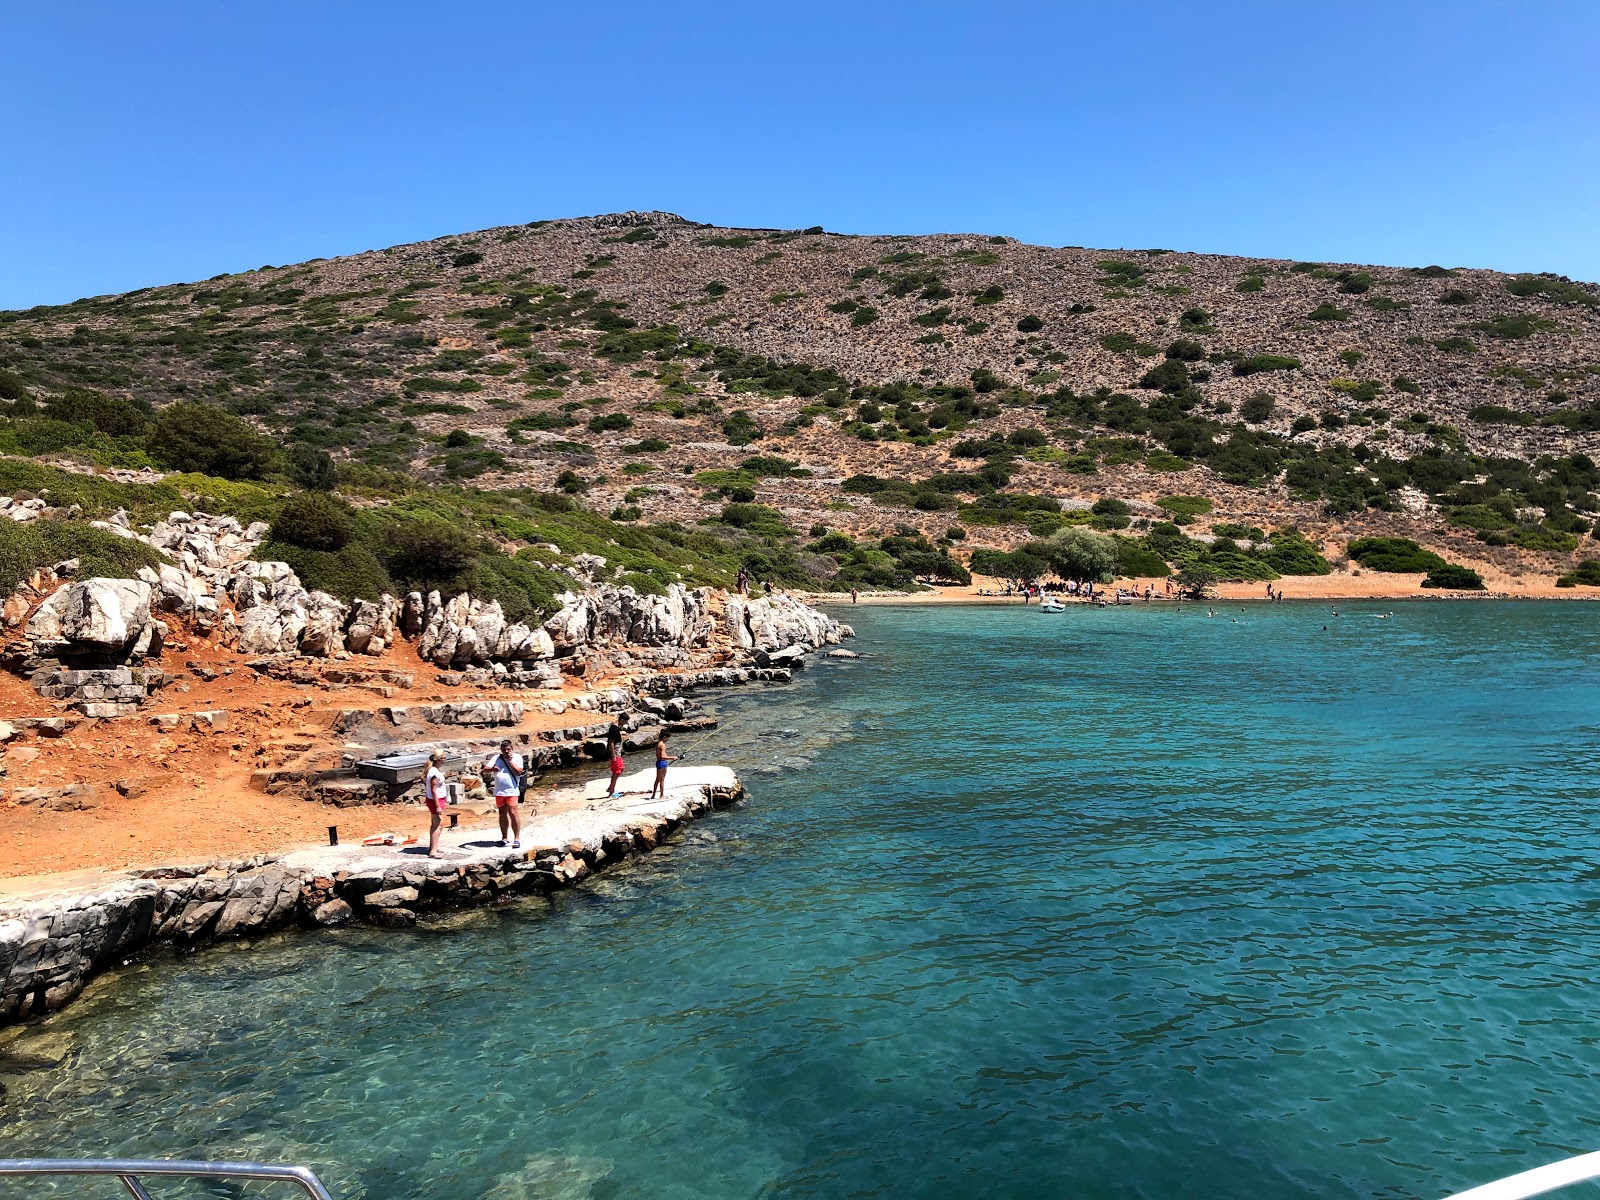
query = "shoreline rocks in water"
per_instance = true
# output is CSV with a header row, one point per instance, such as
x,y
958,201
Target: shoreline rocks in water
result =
x,y
53,943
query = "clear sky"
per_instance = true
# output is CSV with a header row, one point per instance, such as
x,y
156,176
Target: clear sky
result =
x,y
154,142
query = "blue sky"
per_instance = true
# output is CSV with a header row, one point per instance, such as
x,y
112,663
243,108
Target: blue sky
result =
x,y
156,142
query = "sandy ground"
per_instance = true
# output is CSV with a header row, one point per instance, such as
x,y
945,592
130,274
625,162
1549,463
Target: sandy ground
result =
x,y
196,800
1341,585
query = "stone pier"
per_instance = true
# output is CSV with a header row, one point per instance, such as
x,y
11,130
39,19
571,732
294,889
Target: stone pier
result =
x,y
54,938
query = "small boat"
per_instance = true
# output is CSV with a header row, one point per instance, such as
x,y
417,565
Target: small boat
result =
x,y
1051,604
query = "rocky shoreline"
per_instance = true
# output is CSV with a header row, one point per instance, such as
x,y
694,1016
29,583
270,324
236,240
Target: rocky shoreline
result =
x,y
54,941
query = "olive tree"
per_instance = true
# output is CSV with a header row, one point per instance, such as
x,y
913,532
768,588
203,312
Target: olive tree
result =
x,y
1083,555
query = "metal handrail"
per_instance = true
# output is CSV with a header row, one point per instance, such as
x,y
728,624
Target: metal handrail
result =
x,y
132,1170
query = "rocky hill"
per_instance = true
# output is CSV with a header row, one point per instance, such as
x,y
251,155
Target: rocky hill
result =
x,y
860,409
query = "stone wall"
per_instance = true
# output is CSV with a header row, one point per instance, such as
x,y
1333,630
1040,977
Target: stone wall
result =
x,y
51,945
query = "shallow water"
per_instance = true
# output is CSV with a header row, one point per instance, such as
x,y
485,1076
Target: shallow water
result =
x,y
1114,903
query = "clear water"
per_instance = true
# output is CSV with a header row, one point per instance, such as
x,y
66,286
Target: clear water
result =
x,y
1108,904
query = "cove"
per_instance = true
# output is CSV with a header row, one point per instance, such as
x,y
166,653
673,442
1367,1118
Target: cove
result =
x,y
1116,903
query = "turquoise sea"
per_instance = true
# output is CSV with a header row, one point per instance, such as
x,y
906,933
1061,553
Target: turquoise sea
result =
x,y
1116,903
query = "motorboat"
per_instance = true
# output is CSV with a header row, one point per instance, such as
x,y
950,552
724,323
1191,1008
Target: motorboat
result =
x,y
1051,604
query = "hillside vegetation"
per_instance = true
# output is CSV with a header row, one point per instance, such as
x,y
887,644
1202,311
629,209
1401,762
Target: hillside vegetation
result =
x,y
826,410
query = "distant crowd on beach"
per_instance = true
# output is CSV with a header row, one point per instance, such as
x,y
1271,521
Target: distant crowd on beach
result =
x,y
1072,589
507,775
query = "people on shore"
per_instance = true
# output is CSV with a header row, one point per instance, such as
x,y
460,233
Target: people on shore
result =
x,y
663,761
435,795
614,753
855,596
507,778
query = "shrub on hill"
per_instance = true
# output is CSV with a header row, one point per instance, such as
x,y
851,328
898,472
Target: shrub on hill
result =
x,y
1257,408
311,468
1082,554
192,435
1454,577
1169,375
352,572
1553,287
1257,363
106,414
1185,507
25,548
315,521
1328,312
1136,560
1586,574
1030,324
1292,553
1392,555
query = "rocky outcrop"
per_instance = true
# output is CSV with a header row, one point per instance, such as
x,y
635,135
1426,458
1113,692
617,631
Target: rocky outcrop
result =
x,y
776,622
97,617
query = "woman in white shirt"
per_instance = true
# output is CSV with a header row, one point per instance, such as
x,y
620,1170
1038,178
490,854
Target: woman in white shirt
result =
x,y
435,796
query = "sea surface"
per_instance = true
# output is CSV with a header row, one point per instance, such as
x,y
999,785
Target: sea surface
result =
x,y
1117,903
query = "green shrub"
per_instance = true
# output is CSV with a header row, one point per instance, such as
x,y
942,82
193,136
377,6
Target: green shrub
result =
x,y
1586,574
610,423
1258,363
1136,560
1292,553
1186,350
1250,283
424,554
1553,287
1499,414
1030,324
1328,312
1392,555
1456,345
311,468
1169,375
1455,577
352,572
107,414
1512,328
192,435
740,428
1257,408
25,548
1185,506
992,294
315,521
1110,506
467,258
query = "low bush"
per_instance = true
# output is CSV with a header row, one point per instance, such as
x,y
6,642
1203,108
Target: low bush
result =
x,y
1456,578
1586,574
1257,408
1393,555
25,548
1258,363
192,435
1185,506
315,521
352,572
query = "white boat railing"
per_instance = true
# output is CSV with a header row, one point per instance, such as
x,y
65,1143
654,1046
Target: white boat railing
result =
x,y
1537,1181
133,1171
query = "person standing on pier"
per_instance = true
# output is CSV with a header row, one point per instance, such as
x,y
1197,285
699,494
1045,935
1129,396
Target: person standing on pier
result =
x,y
507,775
435,796
614,753
663,761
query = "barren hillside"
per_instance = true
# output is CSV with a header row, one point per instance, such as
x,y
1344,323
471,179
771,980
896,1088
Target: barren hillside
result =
x,y
974,389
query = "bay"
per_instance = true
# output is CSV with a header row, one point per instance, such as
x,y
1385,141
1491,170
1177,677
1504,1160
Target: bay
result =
x,y
1113,903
